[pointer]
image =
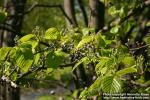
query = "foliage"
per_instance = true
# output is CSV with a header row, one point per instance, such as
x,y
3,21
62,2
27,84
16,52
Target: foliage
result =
x,y
110,52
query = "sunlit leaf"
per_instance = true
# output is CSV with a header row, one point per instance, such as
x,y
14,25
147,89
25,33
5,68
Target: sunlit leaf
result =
x,y
111,84
112,10
114,29
147,40
4,52
26,38
84,41
128,61
126,71
36,58
52,34
123,12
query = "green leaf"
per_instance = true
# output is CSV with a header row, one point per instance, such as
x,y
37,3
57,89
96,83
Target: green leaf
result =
x,y
123,50
26,38
112,10
147,40
85,31
123,12
101,64
29,44
128,61
105,52
100,41
24,59
148,23
4,52
93,90
52,34
79,62
111,84
3,16
114,29
54,59
147,90
84,41
127,26
126,71
36,59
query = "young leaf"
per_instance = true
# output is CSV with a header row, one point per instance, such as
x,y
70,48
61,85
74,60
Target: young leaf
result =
x,y
128,61
111,84
101,64
36,59
4,52
112,10
52,34
26,38
84,41
147,40
114,29
54,59
93,90
123,12
126,71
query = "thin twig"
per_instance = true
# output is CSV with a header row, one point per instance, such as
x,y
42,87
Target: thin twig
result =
x,y
133,49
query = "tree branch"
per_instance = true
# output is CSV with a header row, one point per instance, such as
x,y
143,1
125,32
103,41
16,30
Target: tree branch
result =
x,y
147,84
133,12
133,49
83,12
4,27
41,68
35,5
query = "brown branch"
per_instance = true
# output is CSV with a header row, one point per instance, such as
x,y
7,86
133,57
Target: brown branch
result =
x,y
133,49
41,68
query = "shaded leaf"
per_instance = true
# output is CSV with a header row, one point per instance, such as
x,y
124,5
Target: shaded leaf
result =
x,y
127,26
3,16
54,59
79,62
24,59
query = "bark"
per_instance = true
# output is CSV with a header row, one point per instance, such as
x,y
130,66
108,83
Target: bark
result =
x,y
8,92
81,5
96,19
70,11
15,22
